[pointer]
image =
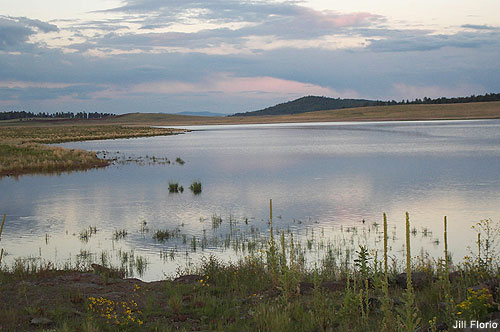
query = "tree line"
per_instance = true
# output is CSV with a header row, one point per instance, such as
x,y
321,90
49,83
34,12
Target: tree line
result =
x,y
10,115
443,100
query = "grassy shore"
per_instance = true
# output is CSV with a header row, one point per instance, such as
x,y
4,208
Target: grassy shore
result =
x,y
267,291
22,148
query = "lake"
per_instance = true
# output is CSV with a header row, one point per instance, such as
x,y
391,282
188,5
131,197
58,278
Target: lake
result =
x,y
324,180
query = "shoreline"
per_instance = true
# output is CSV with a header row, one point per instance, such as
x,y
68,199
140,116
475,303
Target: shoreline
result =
x,y
419,112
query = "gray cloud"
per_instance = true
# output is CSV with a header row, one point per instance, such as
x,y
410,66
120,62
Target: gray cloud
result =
x,y
405,42
299,23
12,34
40,25
223,10
286,20
479,27
80,92
15,31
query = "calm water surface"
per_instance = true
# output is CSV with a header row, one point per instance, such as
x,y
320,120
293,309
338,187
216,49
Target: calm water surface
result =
x,y
323,178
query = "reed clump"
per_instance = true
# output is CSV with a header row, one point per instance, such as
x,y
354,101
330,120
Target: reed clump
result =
x,y
163,235
195,187
174,187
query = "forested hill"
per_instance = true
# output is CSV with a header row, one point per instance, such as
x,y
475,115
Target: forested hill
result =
x,y
310,104
314,103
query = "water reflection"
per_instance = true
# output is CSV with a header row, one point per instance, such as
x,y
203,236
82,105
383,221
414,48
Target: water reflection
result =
x,y
320,177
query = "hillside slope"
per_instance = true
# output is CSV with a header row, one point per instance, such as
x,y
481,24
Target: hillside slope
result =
x,y
309,104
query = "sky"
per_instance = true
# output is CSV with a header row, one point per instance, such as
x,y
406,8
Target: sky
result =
x,y
230,56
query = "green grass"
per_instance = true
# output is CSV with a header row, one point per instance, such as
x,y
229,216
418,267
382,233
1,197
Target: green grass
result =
x,y
196,187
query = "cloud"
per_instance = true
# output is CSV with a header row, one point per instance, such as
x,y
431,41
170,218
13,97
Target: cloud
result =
x,y
225,25
479,27
16,31
405,91
31,92
405,42
225,83
37,24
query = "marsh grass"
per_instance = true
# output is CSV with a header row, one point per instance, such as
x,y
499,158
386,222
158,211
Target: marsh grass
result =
x,y
163,235
196,187
216,221
22,149
173,187
19,158
119,234
87,233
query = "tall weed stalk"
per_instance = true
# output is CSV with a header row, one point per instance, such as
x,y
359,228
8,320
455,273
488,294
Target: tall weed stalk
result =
x,y
448,298
388,320
272,252
408,316
1,230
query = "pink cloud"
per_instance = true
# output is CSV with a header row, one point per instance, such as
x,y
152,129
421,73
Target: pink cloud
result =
x,y
266,84
332,19
225,83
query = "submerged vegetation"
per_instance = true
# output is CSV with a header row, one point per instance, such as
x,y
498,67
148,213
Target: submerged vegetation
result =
x,y
22,150
163,235
270,288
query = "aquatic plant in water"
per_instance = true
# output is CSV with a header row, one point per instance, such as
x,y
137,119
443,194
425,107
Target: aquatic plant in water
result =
x,y
195,187
173,187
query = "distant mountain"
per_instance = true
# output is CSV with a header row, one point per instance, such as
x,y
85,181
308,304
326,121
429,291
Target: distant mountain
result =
x,y
201,114
310,104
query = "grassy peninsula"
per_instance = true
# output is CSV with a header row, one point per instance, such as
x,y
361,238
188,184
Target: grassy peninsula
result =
x,y
23,149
